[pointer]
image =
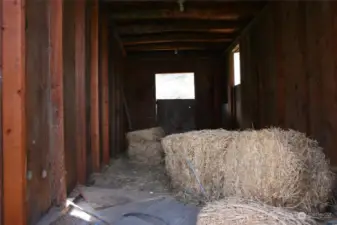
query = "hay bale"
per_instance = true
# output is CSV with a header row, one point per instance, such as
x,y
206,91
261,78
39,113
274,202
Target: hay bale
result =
x,y
277,167
151,134
144,146
205,151
147,152
236,211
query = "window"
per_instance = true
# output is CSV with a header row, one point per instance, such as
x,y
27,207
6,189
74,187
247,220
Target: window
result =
x,y
237,73
175,86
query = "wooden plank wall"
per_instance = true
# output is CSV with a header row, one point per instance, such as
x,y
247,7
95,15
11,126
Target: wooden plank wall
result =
x,y
89,160
50,64
69,76
94,85
56,102
104,90
289,70
38,114
80,86
116,90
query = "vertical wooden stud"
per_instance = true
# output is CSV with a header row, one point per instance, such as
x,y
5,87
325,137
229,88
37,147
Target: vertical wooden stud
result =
x,y
95,142
13,106
105,89
1,147
56,90
80,52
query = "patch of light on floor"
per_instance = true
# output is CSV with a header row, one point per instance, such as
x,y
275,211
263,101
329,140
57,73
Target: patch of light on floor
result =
x,y
80,214
77,212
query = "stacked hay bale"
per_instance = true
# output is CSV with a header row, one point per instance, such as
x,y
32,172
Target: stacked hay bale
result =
x,y
274,166
193,162
236,211
144,146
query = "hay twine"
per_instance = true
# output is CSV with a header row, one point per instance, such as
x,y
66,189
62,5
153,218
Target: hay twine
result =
x,y
237,211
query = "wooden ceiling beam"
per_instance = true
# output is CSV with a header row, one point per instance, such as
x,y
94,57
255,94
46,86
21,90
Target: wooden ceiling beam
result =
x,y
177,46
226,6
227,11
162,55
150,26
175,37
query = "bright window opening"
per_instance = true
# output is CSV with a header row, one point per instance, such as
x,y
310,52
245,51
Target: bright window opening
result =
x,y
175,86
237,73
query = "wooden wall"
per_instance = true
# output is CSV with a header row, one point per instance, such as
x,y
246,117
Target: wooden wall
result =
x,y
39,192
69,93
116,95
140,87
50,70
289,70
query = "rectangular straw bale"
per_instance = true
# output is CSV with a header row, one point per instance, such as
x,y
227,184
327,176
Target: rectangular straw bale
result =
x,y
275,166
144,146
199,151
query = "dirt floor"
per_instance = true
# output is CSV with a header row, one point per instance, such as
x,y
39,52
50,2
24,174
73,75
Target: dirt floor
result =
x,y
127,175
123,184
123,187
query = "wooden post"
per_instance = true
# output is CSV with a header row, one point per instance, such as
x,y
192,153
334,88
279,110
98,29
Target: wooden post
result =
x,y
13,106
95,135
105,89
80,90
56,82
1,147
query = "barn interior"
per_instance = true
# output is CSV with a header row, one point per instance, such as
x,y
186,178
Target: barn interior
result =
x,y
77,76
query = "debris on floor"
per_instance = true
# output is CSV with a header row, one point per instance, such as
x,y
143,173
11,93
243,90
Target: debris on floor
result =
x,y
130,176
100,198
127,193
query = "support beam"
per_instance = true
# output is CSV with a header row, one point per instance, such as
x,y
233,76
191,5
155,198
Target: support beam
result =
x,y
105,88
195,10
81,123
149,27
56,90
13,108
95,143
178,46
157,55
1,146
176,37
192,9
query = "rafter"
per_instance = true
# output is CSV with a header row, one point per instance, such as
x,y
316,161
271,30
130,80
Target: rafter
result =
x,y
177,46
175,37
148,27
